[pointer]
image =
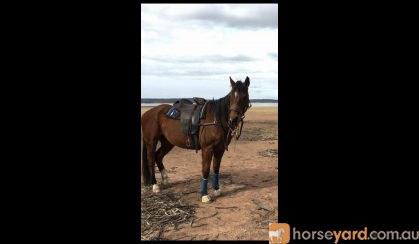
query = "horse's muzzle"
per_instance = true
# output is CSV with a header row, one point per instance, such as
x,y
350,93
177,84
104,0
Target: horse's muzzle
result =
x,y
233,121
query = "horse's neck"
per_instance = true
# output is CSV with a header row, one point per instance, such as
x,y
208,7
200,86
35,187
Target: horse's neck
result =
x,y
223,121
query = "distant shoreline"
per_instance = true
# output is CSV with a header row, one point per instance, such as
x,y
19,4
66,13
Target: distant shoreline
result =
x,y
255,104
172,100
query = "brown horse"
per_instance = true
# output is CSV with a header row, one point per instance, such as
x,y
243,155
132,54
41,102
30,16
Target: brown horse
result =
x,y
222,117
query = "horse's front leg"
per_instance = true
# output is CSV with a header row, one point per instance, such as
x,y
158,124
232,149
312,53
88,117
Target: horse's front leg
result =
x,y
207,154
216,169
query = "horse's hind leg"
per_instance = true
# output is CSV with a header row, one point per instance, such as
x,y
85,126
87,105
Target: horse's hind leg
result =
x,y
151,152
165,148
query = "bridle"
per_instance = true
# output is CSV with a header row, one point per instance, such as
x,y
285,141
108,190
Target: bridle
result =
x,y
234,107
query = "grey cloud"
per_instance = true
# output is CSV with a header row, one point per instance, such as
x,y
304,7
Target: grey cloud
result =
x,y
273,55
258,15
155,71
203,59
189,73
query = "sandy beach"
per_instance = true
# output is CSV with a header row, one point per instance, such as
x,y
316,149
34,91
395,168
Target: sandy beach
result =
x,y
249,170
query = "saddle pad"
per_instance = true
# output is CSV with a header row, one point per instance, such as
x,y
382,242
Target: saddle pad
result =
x,y
173,113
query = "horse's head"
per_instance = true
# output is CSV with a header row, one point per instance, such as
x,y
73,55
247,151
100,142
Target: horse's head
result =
x,y
239,100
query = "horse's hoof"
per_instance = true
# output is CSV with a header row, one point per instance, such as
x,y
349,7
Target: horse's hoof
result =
x,y
156,188
164,177
165,182
206,199
217,192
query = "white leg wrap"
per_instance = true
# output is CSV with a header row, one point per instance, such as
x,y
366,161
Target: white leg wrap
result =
x,y
165,177
206,199
156,188
217,192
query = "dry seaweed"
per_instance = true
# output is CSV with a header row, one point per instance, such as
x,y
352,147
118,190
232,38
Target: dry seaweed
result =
x,y
273,153
259,134
159,211
258,122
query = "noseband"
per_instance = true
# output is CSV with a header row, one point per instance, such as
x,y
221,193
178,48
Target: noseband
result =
x,y
236,108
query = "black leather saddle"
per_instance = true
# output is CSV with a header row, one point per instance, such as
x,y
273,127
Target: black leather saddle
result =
x,y
190,114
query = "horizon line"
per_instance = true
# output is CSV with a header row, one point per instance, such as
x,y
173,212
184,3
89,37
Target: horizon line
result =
x,y
192,97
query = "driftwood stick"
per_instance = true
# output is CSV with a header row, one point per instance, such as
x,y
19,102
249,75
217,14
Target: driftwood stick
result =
x,y
159,234
212,215
225,207
268,180
199,225
261,205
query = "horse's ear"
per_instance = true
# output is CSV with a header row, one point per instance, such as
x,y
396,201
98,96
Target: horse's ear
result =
x,y
247,81
232,82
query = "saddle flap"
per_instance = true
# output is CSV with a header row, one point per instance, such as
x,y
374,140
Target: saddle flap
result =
x,y
195,119
186,118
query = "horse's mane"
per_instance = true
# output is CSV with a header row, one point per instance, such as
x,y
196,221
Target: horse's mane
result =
x,y
221,106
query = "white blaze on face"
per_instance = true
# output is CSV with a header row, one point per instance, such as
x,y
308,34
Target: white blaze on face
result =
x,y
235,94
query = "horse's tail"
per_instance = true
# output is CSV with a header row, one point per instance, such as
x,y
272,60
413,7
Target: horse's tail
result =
x,y
145,169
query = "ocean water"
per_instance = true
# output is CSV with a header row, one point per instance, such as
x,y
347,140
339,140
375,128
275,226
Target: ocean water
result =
x,y
264,104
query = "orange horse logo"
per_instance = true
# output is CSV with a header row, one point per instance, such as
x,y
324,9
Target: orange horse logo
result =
x,y
279,233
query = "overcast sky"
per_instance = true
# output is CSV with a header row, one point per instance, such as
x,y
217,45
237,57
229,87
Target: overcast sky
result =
x,y
190,50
